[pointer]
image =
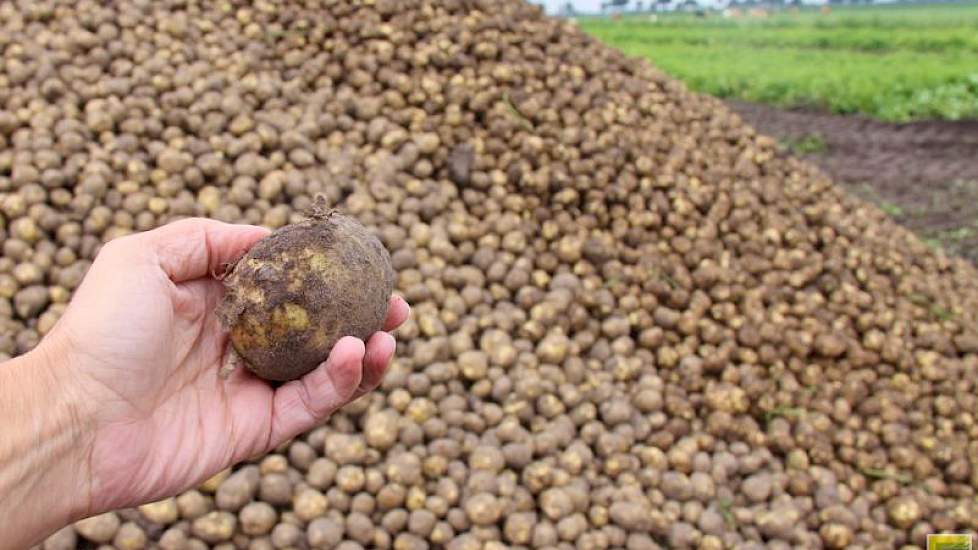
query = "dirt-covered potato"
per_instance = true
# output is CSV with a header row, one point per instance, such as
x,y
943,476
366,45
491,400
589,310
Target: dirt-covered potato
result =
x,y
301,289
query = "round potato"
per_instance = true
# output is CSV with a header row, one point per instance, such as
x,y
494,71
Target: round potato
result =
x,y
301,289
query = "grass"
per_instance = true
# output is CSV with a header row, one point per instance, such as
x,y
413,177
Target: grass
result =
x,y
937,311
891,209
784,411
895,63
805,145
877,473
515,113
726,510
947,541
954,240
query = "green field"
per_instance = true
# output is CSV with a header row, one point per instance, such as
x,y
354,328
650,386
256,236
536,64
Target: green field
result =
x,y
895,63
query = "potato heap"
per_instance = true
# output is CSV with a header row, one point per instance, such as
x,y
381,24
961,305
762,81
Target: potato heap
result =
x,y
636,323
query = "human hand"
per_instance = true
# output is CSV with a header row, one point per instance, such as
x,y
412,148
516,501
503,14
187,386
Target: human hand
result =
x,y
137,354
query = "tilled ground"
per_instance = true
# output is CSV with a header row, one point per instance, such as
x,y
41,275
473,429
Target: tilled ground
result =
x,y
923,174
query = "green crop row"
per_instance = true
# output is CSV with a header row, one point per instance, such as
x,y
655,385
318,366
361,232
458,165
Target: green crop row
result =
x,y
892,63
865,39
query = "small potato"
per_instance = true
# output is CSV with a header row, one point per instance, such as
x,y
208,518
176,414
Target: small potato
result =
x,y
211,484
63,539
237,489
275,488
381,429
483,509
301,455
130,537
257,518
213,527
324,533
193,504
286,535
321,473
309,504
163,512
274,463
173,539
101,528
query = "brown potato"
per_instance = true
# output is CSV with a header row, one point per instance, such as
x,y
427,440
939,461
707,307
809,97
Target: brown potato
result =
x,y
283,302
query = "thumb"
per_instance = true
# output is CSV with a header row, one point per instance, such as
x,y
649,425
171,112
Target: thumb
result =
x,y
197,247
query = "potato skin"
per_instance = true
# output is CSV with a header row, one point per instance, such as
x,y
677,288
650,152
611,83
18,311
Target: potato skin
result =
x,y
301,289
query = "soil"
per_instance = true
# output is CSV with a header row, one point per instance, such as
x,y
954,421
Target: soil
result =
x,y
923,174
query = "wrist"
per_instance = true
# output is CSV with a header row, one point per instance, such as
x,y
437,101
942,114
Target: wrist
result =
x,y
44,466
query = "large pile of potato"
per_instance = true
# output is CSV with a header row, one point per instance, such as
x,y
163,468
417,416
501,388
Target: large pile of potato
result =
x,y
637,324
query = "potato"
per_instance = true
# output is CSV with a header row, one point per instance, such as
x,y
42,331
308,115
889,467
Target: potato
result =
x,y
275,488
309,504
299,290
286,535
173,539
257,518
193,504
211,484
64,539
101,528
237,489
214,526
130,537
483,509
163,512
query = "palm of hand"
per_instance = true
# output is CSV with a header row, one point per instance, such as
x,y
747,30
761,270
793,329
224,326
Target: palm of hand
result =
x,y
149,353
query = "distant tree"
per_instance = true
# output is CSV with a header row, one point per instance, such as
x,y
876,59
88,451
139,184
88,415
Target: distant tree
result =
x,y
568,9
614,4
639,5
